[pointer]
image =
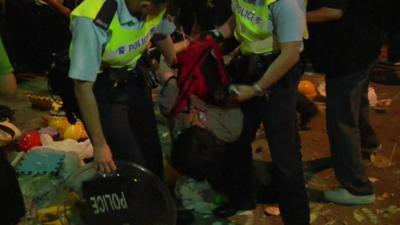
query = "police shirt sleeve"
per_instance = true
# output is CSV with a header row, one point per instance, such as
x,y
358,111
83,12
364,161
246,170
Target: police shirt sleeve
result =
x,y
86,49
166,27
289,20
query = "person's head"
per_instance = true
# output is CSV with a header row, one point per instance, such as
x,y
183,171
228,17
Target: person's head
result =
x,y
197,153
146,8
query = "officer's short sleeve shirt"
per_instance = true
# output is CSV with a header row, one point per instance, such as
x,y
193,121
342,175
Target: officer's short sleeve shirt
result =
x,y
88,41
289,19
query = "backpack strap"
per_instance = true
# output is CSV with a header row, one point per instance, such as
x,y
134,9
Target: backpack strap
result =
x,y
106,14
184,95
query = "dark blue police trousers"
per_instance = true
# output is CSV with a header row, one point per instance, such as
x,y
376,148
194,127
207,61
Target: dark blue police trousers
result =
x,y
128,120
277,112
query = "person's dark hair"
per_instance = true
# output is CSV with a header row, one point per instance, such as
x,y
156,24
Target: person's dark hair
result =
x,y
196,153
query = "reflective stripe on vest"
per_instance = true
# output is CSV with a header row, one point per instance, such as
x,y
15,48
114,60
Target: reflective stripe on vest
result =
x,y
254,27
125,46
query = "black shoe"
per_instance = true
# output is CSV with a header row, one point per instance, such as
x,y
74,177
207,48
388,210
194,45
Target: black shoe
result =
x,y
229,209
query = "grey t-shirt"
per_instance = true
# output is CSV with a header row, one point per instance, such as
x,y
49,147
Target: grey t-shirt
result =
x,y
225,123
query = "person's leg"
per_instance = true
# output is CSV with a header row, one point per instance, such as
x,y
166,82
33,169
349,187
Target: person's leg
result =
x,y
306,108
143,122
369,140
342,115
115,121
282,135
8,85
237,168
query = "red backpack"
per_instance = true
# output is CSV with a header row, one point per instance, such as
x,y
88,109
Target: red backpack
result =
x,y
201,72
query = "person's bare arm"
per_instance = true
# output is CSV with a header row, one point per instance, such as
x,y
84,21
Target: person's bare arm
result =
x,y
323,15
289,56
59,7
181,46
90,115
8,85
166,47
227,28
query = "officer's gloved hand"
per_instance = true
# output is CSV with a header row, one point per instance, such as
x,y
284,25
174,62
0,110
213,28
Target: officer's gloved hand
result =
x,y
215,34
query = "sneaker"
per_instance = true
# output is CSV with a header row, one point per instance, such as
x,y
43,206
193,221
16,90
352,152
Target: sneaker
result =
x,y
343,196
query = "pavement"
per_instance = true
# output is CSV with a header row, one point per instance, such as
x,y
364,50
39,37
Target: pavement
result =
x,y
383,169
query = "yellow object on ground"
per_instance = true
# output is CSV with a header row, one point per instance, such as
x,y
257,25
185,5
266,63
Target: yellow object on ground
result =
x,y
83,132
59,122
73,132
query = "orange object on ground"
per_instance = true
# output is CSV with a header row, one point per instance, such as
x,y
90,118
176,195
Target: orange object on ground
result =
x,y
307,88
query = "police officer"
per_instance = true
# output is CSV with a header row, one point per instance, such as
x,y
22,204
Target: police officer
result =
x,y
271,34
109,37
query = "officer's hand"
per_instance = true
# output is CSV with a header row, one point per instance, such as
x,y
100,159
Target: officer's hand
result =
x,y
245,92
103,159
216,35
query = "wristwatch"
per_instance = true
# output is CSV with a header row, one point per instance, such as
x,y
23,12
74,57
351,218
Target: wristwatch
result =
x,y
259,90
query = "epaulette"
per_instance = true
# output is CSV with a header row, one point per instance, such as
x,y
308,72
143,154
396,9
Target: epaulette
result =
x,y
106,14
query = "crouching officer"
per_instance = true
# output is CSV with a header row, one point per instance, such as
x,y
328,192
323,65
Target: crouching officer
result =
x,y
271,34
109,37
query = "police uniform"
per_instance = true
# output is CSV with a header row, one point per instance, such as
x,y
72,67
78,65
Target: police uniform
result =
x,y
260,26
108,57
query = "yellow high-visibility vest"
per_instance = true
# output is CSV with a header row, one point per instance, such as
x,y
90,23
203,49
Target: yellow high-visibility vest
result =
x,y
125,46
254,27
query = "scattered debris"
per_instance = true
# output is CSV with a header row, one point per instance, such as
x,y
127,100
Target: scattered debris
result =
x,y
364,213
336,222
165,134
313,218
272,210
383,196
380,161
358,215
373,179
371,216
197,196
389,212
315,212
392,154
382,106
372,97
